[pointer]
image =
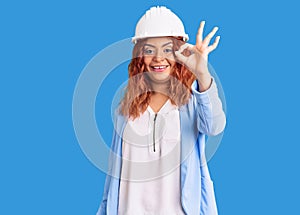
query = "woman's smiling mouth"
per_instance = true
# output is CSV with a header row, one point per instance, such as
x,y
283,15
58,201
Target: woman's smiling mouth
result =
x,y
159,68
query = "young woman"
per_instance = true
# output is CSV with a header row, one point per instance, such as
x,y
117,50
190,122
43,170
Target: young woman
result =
x,y
171,102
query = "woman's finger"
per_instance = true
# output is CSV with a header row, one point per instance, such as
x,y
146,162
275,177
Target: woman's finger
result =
x,y
214,45
207,39
187,46
180,57
199,36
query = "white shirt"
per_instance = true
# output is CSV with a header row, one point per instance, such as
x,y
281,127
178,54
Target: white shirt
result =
x,y
150,174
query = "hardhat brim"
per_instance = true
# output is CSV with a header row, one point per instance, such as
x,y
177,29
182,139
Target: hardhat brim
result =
x,y
136,38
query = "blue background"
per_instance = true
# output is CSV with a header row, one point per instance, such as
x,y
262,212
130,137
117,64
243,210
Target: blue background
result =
x,y
44,47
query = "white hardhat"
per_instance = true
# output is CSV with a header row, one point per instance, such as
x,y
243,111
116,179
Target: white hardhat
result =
x,y
159,22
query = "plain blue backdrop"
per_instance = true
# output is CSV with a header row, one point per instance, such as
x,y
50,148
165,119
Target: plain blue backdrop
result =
x,y
44,47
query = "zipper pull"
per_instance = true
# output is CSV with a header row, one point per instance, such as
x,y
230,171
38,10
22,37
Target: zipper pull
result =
x,y
154,122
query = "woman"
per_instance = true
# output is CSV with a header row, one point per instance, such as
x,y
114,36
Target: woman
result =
x,y
171,102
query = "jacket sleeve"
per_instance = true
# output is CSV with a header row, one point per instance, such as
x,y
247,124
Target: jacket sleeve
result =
x,y
112,169
103,204
112,172
211,118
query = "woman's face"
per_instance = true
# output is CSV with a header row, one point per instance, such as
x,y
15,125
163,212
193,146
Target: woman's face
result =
x,y
159,57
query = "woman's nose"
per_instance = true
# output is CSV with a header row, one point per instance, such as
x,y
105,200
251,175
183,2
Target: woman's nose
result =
x,y
159,56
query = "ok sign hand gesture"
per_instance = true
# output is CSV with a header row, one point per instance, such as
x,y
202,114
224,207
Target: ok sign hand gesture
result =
x,y
196,62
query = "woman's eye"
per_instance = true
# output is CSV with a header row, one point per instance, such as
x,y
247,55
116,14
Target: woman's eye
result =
x,y
148,51
169,50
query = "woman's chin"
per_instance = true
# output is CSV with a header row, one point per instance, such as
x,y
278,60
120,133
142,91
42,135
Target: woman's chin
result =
x,y
159,76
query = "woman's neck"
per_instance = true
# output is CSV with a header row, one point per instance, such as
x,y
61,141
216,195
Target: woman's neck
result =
x,y
160,86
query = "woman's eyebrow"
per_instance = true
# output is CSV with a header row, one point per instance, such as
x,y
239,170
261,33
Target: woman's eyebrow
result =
x,y
168,43
149,45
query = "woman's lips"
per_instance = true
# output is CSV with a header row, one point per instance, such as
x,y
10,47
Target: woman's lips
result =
x,y
159,68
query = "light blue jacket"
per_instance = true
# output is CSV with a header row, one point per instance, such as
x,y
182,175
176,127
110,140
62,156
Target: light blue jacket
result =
x,y
203,115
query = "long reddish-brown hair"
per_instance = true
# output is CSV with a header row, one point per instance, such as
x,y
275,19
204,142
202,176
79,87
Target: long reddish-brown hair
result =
x,y
138,91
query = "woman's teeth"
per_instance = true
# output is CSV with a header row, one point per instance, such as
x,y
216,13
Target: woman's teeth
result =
x,y
159,68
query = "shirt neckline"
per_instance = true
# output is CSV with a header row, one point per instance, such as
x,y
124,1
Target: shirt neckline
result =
x,y
167,107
